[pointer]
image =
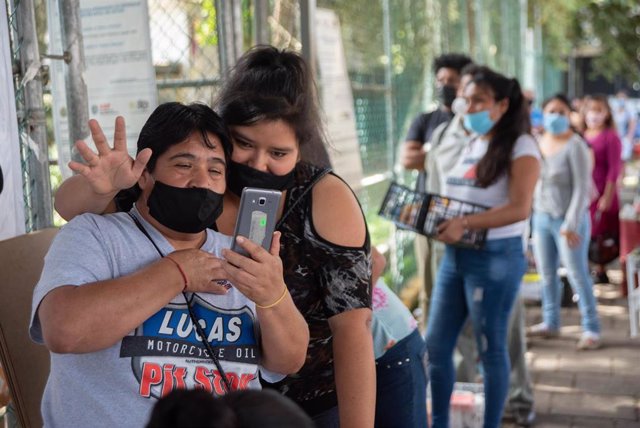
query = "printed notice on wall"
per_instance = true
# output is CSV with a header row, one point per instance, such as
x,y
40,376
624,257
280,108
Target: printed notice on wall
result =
x,y
337,99
119,71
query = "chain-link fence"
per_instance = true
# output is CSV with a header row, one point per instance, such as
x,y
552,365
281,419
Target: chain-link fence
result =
x,y
31,114
389,48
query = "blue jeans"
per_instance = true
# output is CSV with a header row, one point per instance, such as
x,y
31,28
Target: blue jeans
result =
x,y
401,393
483,285
550,248
327,419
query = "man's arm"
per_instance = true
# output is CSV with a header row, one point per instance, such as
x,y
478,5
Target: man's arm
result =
x,y
91,317
411,154
96,315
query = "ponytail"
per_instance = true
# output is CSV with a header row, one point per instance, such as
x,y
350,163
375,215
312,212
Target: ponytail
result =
x,y
514,123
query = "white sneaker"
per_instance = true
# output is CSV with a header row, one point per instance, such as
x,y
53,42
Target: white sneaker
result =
x,y
589,341
541,330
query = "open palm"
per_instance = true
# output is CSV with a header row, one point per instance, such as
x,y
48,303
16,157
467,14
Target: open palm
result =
x,y
111,169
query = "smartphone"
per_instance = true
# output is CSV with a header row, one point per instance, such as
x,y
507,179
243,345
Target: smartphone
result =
x,y
256,217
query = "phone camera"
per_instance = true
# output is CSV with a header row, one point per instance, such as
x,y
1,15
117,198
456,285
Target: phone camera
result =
x,y
262,201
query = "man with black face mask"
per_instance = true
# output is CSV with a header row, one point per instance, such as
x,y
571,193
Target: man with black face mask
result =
x,y
447,70
135,304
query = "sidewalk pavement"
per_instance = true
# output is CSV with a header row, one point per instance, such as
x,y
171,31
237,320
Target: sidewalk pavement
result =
x,y
599,388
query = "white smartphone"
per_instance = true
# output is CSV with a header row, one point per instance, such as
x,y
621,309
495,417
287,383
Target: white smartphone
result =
x,y
256,217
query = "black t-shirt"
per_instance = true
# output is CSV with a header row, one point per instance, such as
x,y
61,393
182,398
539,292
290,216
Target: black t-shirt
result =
x,y
424,124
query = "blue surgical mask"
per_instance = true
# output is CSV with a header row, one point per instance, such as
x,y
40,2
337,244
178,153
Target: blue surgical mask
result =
x,y
555,123
479,122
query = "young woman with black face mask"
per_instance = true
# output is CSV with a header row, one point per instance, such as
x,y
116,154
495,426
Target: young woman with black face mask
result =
x,y
270,106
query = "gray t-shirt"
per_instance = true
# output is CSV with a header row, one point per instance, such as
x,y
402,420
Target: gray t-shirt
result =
x,y
564,187
118,386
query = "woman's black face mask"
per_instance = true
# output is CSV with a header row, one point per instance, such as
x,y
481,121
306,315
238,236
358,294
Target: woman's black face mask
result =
x,y
240,176
184,209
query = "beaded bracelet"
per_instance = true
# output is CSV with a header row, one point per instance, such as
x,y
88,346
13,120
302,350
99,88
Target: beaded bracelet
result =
x,y
284,293
184,275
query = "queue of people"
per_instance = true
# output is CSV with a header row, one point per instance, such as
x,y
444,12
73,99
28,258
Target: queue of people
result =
x,y
141,293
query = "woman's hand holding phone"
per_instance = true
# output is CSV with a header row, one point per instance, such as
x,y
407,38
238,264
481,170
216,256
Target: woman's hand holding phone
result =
x,y
259,276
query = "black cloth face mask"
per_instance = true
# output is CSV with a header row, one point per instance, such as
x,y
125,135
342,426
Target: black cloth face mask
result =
x,y
241,176
446,95
184,209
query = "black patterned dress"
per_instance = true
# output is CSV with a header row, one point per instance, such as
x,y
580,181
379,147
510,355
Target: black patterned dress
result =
x,y
324,280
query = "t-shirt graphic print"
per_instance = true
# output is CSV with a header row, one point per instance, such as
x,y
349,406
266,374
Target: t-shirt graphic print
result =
x,y
167,352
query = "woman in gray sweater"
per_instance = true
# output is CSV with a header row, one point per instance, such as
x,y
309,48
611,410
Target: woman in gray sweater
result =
x,y
561,225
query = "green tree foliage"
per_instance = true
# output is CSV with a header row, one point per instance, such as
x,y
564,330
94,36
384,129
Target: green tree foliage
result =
x,y
611,26
614,26
205,26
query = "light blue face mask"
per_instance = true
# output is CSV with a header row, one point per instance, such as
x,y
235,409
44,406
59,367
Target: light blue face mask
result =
x,y
479,122
555,123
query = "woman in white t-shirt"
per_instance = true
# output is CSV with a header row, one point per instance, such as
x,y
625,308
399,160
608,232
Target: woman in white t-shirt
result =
x,y
498,169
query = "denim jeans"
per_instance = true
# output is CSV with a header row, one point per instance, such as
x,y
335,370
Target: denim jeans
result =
x,y
482,285
327,419
520,385
550,248
401,393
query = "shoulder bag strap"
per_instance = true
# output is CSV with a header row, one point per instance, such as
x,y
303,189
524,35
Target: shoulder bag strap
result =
x,y
295,203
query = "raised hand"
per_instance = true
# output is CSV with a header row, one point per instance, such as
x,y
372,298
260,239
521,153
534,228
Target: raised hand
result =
x,y
111,169
259,277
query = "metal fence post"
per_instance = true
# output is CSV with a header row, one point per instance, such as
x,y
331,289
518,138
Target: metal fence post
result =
x,y
76,88
33,130
229,15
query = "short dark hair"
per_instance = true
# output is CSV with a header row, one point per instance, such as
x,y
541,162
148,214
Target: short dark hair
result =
x,y
237,409
514,123
454,61
272,84
172,123
558,97
191,408
266,409
470,69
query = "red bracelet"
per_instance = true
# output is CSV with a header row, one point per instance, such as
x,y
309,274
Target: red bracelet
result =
x,y
184,275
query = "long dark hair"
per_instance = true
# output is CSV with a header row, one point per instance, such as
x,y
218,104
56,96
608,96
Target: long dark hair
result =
x,y
271,84
514,123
